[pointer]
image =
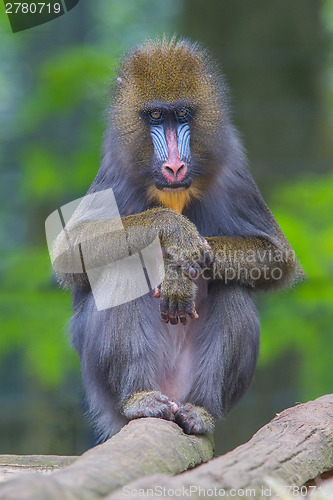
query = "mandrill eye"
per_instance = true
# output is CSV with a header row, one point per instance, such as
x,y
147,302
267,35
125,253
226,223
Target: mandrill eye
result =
x,y
155,116
182,114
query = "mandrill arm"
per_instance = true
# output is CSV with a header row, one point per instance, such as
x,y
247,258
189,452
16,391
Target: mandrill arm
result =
x,y
250,248
254,261
84,245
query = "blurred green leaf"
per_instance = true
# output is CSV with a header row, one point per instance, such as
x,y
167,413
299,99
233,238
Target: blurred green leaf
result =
x,y
34,314
66,80
302,319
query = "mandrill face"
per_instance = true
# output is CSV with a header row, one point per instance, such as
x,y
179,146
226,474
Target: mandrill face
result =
x,y
172,164
169,127
168,113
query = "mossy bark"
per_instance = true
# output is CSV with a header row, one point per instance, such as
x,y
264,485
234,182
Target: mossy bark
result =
x,y
295,447
144,447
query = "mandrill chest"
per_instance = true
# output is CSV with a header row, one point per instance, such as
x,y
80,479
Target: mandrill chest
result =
x,y
178,347
176,198
173,198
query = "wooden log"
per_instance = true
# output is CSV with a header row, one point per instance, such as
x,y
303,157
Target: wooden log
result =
x,y
296,446
144,447
14,465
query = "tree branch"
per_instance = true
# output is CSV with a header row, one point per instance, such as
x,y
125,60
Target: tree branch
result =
x,y
144,447
296,446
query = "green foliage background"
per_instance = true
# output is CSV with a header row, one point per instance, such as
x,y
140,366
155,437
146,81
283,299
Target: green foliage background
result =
x,y
54,85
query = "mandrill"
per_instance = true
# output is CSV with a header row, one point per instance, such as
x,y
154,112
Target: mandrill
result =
x,y
186,351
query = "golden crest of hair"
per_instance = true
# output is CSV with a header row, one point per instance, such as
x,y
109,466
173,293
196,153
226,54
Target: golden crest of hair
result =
x,y
167,70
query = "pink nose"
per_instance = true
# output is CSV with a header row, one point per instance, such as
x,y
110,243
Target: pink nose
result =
x,y
174,171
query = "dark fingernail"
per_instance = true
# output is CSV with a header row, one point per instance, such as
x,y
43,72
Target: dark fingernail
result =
x,y
164,317
173,320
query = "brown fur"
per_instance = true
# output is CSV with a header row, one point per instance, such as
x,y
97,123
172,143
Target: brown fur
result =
x,y
178,200
167,71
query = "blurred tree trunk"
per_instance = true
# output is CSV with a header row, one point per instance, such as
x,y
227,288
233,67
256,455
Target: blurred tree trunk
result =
x,y
273,55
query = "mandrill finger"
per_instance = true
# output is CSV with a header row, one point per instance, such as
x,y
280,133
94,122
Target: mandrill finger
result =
x,y
191,311
187,268
206,257
164,309
173,317
157,292
174,406
198,270
182,314
193,271
207,245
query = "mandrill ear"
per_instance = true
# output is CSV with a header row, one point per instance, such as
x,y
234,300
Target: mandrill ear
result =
x,y
119,81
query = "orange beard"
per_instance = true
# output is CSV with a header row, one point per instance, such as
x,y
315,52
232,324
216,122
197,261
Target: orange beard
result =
x,y
176,200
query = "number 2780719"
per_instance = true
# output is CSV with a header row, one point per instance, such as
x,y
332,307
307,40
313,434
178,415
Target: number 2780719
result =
x,y
32,8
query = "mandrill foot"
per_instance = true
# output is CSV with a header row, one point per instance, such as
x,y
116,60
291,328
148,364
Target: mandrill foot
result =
x,y
149,404
194,419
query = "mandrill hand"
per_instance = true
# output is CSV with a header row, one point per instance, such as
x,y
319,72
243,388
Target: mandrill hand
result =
x,y
183,245
187,254
177,294
198,261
